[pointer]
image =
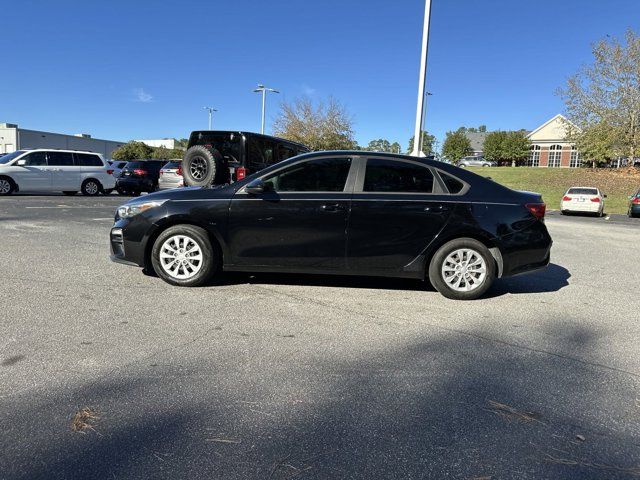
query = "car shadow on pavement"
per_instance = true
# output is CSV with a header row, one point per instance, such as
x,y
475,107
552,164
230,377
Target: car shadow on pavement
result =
x,y
550,279
444,404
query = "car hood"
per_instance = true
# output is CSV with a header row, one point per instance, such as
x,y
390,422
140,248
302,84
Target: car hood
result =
x,y
187,193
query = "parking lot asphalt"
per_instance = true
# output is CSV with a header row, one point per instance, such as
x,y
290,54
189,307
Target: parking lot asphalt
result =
x,y
283,376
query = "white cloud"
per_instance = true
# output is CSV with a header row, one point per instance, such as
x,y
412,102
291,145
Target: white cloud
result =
x,y
307,90
142,96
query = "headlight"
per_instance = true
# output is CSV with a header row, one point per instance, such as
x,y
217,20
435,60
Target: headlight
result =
x,y
127,211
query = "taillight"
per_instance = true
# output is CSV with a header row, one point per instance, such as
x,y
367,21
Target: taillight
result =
x,y
161,172
139,171
109,172
537,209
566,199
596,199
179,171
241,172
636,201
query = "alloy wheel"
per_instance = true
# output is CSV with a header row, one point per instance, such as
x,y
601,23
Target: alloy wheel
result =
x,y
5,186
91,188
464,270
198,168
181,257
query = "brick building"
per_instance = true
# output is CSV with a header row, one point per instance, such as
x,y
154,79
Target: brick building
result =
x,y
549,146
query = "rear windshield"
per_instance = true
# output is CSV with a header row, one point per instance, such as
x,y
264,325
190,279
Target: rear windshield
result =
x,y
583,191
143,165
228,144
171,165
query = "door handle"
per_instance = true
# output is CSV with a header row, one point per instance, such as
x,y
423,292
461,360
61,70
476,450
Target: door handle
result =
x,y
332,207
436,208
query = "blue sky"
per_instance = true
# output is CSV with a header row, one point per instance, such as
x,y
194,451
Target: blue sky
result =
x,y
145,69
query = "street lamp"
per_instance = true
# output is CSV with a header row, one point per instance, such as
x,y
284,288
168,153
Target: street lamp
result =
x,y
417,143
262,89
210,110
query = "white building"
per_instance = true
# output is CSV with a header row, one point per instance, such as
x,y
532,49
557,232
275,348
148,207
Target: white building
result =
x,y
169,143
550,147
13,138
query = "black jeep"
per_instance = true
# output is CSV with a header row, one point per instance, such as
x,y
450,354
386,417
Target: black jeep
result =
x,y
215,157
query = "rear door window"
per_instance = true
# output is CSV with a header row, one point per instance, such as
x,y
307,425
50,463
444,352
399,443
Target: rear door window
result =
x,y
394,176
88,160
60,159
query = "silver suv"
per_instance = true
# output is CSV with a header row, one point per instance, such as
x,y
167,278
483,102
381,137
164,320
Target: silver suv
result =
x,y
474,162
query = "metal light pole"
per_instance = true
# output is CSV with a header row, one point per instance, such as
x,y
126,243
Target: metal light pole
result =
x,y
262,89
417,138
210,110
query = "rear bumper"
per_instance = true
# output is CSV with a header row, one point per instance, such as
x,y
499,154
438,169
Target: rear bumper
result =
x,y
586,207
142,184
526,250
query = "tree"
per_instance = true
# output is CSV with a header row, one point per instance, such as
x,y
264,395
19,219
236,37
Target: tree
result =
x,y
321,126
380,145
512,147
427,143
603,100
456,145
162,153
132,151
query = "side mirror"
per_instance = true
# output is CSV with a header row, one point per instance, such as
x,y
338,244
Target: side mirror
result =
x,y
21,163
257,187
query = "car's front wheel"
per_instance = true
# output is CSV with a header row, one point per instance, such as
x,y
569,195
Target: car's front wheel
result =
x,y
6,186
462,269
182,255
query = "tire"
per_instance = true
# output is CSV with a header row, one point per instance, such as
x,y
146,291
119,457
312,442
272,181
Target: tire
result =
x,y
201,167
462,165
91,187
69,193
564,212
173,242
7,186
462,249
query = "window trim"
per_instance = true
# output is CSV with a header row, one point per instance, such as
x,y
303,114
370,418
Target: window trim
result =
x,y
438,185
557,154
465,186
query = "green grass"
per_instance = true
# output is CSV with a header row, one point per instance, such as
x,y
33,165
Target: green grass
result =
x,y
552,183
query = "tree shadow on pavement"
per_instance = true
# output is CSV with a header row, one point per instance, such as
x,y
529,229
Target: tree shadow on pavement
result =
x,y
447,405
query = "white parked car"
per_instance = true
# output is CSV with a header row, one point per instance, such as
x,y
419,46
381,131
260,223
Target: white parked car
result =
x,y
117,166
584,200
171,175
49,170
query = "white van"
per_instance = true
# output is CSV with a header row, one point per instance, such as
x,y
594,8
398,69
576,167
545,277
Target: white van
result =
x,y
47,170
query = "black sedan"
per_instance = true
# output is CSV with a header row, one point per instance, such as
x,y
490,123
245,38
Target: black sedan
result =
x,y
354,213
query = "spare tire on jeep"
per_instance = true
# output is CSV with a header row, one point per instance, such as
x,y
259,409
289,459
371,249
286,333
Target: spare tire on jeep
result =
x,y
201,167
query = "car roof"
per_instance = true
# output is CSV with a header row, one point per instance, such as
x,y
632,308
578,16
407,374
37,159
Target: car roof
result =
x,y
28,150
253,134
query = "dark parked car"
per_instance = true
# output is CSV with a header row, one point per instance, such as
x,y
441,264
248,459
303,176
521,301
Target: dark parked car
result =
x,y
215,157
634,205
139,176
355,213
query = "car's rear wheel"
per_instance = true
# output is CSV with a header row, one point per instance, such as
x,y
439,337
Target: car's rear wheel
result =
x,y
182,255
7,186
91,187
462,269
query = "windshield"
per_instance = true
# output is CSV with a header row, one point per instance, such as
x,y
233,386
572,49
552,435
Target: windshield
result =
x,y
10,156
583,191
228,144
169,165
